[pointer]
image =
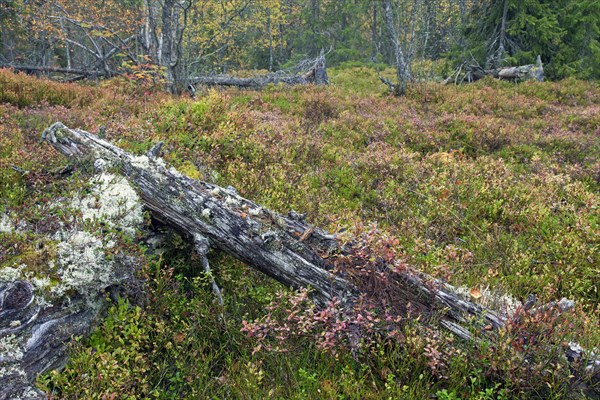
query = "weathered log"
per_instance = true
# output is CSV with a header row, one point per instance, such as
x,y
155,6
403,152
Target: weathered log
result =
x,y
257,236
287,249
48,331
530,72
79,72
317,74
284,247
471,73
249,83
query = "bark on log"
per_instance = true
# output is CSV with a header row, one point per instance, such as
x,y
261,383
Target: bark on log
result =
x,y
317,74
48,331
257,236
250,83
287,249
283,247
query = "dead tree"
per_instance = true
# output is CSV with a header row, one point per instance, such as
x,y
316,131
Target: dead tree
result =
x,y
73,73
316,73
284,247
403,75
467,73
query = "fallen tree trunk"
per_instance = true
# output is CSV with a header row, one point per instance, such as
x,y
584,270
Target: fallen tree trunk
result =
x,y
250,83
316,74
284,247
85,73
471,73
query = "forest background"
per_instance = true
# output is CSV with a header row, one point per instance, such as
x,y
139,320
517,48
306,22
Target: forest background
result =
x,y
186,38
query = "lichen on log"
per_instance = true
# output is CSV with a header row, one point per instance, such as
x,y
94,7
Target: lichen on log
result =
x,y
42,311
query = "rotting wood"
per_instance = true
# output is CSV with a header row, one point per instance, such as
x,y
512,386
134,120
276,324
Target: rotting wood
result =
x,y
80,72
270,242
48,331
289,250
263,239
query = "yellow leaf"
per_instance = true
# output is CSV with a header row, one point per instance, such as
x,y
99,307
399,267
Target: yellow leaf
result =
x,y
475,293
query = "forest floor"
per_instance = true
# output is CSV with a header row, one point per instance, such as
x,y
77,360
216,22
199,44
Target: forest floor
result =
x,y
493,187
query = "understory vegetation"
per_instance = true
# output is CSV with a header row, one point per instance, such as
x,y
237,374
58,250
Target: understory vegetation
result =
x,y
493,187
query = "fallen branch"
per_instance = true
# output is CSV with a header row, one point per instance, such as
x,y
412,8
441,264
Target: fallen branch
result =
x,y
80,73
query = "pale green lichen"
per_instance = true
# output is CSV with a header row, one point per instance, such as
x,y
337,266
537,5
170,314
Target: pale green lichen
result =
x,y
30,393
12,369
42,282
175,173
113,201
10,349
144,162
255,211
21,272
491,299
6,225
81,264
14,273
231,201
206,213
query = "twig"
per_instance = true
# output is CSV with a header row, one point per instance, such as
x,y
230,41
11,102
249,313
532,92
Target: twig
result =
x,y
202,247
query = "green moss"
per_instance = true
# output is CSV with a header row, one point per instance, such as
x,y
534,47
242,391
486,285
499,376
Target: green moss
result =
x,y
34,253
13,188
